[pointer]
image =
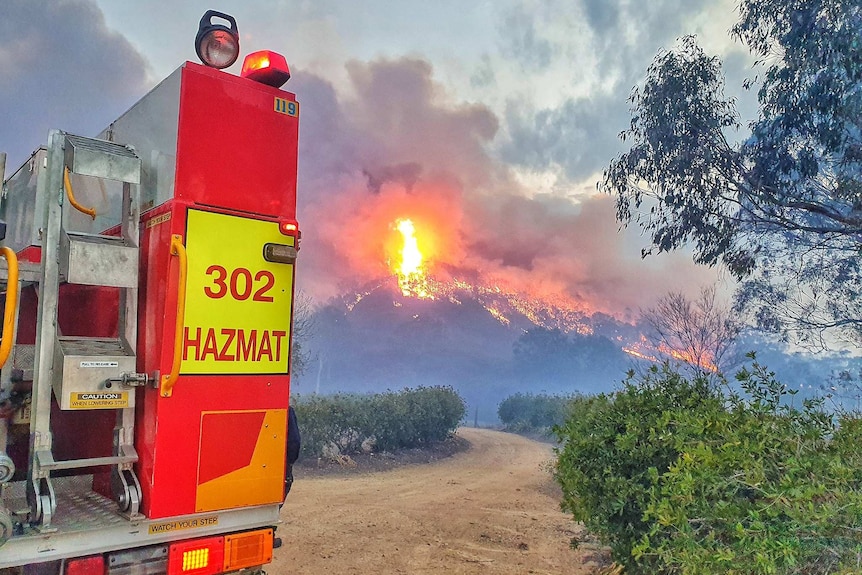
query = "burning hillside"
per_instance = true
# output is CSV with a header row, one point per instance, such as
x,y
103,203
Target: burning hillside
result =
x,y
407,257
410,260
463,262
424,322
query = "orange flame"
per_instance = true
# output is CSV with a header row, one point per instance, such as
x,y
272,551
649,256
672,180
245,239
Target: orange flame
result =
x,y
409,256
409,264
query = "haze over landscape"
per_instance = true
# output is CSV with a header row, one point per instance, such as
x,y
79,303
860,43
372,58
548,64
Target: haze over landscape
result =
x,y
486,125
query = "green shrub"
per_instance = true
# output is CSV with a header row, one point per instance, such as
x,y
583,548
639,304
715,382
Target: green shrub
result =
x,y
342,420
534,412
679,478
390,420
613,448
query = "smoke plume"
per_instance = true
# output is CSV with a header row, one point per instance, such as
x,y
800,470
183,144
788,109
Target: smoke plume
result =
x,y
395,144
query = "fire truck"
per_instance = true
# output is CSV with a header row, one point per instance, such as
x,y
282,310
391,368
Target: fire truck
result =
x,y
148,276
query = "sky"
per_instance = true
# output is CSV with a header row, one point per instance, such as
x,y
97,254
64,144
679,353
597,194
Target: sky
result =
x,y
489,122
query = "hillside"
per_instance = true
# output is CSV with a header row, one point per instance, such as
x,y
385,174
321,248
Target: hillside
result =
x,y
384,340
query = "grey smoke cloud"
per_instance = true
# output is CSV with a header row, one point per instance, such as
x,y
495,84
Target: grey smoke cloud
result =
x,y
61,67
581,135
396,145
390,143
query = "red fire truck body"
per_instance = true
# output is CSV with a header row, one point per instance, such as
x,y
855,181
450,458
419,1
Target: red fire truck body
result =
x,y
146,395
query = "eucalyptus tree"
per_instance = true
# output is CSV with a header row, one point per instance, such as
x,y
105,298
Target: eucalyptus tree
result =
x,y
778,201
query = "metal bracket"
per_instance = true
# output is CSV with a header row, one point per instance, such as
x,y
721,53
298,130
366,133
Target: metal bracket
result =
x,y
42,500
127,490
131,379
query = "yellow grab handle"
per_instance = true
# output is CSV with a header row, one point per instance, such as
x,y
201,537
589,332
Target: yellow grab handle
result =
x,y
11,304
168,381
67,183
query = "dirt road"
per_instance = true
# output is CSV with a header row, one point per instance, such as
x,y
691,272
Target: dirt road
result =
x,y
490,510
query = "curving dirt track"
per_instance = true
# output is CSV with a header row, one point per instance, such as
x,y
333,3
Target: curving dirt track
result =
x,y
490,510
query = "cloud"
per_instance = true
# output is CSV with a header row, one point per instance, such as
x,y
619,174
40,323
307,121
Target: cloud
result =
x,y
521,41
483,76
546,246
602,15
396,145
579,135
61,67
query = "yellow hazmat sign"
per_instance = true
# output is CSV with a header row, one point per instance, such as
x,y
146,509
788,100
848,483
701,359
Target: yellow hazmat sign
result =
x,y
99,400
238,304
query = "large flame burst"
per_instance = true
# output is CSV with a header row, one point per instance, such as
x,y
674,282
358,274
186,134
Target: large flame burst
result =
x,y
409,264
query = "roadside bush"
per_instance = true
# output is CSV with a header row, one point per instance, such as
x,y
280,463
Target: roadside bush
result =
x,y
678,477
342,420
534,412
384,421
613,448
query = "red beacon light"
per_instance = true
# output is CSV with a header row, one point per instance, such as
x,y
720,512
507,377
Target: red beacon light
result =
x,y
266,67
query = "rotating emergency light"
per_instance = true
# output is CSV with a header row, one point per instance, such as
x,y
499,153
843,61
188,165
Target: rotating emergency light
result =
x,y
266,67
217,45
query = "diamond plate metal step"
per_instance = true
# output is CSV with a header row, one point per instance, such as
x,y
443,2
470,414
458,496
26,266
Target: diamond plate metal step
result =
x,y
93,259
79,508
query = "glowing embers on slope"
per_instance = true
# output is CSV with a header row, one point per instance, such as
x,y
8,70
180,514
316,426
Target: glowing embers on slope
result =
x,y
702,359
411,253
409,265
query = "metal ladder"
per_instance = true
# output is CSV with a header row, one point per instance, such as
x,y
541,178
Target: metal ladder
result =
x,y
10,276
86,367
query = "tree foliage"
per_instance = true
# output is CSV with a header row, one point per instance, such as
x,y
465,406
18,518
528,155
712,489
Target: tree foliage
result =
x,y
700,333
550,357
530,412
783,208
303,328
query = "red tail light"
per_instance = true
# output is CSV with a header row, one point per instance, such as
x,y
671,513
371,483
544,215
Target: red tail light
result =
x,y
92,565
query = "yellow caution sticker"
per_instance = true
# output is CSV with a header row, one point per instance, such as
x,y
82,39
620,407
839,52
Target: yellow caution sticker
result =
x,y
238,304
99,400
195,523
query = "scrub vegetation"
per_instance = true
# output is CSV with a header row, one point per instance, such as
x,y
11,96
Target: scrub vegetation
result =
x,y
351,423
683,475
678,472
534,413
